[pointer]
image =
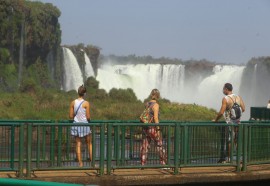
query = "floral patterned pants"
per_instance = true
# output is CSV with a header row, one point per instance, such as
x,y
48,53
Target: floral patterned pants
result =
x,y
149,134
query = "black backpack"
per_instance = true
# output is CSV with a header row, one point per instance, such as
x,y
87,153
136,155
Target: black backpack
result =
x,y
236,111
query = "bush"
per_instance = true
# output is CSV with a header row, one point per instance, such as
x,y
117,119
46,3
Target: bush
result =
x,y
28,86
122,94
91,83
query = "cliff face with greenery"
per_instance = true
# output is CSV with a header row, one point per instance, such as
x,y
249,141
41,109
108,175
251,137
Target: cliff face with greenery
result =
x,y
31,71
29,31
91,51
255,80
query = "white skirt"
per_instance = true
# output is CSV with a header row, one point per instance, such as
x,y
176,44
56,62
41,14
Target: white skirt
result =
x,y
80,131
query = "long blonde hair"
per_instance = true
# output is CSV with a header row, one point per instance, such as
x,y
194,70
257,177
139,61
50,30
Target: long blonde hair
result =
x,y
155,94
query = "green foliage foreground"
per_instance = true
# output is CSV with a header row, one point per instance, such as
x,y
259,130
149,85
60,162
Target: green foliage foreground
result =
x,y
118,104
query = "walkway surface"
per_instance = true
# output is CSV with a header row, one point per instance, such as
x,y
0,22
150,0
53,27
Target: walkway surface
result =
x,y
151,176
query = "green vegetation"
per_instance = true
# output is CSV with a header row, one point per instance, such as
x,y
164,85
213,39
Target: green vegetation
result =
x,y
29,32
118,104
31,71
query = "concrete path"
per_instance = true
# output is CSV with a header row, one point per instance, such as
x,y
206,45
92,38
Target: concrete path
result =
x,y
151,176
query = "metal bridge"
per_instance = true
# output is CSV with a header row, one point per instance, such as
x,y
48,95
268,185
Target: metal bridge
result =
x,y
32,146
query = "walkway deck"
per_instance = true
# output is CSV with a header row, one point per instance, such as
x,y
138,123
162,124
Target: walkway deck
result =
x,y
152,176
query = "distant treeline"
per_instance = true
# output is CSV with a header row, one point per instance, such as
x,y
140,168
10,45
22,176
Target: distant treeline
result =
x,y
150,60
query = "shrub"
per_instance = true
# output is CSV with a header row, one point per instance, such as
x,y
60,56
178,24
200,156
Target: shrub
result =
x,y
123,94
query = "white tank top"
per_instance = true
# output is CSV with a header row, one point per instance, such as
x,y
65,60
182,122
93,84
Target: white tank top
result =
x,y
81,113
233,98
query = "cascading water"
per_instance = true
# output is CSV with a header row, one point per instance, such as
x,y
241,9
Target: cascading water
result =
x,y
252,95
21,54
73,77
142,78
210,89
170,80
199,86
88,67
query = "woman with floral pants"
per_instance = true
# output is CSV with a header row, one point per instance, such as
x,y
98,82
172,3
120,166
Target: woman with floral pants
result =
x,y
152,132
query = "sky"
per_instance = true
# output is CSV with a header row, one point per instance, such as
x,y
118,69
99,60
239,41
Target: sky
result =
x,y
222,31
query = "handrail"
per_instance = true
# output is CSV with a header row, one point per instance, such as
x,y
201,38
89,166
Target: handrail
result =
x,y
18,182
36,145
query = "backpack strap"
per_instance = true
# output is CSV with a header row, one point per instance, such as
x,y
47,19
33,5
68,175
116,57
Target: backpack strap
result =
x,y
79,107
232,99
151,107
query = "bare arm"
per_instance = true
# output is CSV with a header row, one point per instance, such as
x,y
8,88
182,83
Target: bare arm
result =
x,y
87,108
156,110
71,110
222,110
242,105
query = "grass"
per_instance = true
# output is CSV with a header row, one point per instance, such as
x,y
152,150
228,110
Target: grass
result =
x,y
54,105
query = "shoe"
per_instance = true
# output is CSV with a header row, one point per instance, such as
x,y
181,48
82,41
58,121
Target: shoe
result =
x,y
165,168
222,160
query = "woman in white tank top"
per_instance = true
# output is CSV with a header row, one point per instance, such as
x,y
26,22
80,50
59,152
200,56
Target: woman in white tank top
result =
x,y
79,112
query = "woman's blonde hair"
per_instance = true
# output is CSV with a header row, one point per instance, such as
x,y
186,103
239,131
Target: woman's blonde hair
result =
x,y
155,94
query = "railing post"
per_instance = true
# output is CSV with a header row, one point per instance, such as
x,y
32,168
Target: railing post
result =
x,y
176,147
239,147
123,128
245,144
109,149
43,152
38,147
29,150
21,151
116,144
186,137
168,144
131,146
102,148
94,145
249,128
12,140
232,131
52,144
59,149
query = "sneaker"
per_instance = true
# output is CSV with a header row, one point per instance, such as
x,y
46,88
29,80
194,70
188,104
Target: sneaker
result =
x,y
165,168
221,160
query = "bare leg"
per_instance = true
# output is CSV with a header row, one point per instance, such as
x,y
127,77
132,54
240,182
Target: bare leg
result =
x,y
78,150
89,145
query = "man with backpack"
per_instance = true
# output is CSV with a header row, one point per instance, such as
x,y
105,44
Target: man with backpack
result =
x,y
232,108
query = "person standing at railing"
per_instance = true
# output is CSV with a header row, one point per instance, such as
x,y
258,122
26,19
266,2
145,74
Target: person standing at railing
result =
x,y
232,108
268,105
79,112
153,132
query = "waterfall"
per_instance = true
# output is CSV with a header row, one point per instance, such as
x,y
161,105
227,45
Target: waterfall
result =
x,y
170,80
21,53
142,78
210,89
175,82
88,67
73,77
254,88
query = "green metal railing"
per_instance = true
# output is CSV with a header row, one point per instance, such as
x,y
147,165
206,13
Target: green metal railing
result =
x,y
17,182
47,145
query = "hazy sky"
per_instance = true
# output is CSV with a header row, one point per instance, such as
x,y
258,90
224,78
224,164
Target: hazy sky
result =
x,y
224,31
